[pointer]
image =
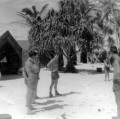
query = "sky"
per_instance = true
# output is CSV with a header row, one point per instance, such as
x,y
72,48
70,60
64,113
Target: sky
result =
x,y
9,8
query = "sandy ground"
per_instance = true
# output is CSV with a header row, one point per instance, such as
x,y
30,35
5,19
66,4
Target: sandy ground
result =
x,y
85,96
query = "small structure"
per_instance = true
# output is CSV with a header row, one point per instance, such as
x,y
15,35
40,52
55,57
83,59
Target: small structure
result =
x,y
99,69
5,116
10,54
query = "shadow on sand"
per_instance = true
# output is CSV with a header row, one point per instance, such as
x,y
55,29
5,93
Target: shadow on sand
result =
x,y
70,93
91,71
52,101
55,106
51,107
65,94
10,77
47,102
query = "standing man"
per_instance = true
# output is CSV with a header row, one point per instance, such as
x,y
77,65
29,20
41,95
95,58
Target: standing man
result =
x,y
30,73
53,66
116,78
37,64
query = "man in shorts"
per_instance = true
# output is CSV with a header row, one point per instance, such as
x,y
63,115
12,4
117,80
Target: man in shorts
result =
x,y
116,78
37,64
30,74
53,66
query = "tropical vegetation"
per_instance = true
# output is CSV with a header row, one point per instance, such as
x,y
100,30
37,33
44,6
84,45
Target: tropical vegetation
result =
x,y
78,25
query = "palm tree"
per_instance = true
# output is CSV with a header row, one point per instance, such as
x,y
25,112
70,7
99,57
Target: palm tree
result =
x,y
64,29
31,18
110,11
106,30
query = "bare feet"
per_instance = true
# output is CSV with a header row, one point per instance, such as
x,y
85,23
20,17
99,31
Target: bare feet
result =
x,y
30,111
58,94
50,95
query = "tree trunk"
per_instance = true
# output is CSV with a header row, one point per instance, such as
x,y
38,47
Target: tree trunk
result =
x,y
73,57
117,37
70,67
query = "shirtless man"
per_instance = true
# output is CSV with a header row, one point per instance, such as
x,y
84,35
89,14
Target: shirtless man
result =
x,y
30,74
53,66
116,78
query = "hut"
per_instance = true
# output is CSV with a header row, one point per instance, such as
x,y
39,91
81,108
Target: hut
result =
x,y
10,54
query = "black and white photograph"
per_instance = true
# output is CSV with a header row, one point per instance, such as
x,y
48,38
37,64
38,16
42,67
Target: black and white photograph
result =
x,y
59,59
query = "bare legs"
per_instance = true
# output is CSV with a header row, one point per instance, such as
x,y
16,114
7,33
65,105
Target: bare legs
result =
x,y
106,75
29,99
50,90
53,83
35,94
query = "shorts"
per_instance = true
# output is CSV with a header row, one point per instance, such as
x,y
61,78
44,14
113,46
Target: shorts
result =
x,y
54,75
107,69
31,82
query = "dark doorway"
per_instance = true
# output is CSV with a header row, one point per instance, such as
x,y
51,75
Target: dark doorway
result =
x,y
84,57
12,63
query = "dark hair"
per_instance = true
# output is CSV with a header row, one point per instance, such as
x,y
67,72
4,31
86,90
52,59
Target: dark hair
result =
x,y
33,53
113,49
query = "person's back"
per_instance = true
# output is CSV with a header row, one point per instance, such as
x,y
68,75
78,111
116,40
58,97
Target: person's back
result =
x,y
53,64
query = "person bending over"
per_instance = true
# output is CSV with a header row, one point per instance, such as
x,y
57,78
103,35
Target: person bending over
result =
x,y
53,66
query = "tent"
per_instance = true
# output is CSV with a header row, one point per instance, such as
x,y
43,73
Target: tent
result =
x,y
10,54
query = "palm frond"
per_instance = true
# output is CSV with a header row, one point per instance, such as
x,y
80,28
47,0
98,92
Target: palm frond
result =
x,y
27,11
43,8
26,18
35,12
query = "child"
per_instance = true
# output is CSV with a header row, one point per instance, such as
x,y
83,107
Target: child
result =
x,y
107,68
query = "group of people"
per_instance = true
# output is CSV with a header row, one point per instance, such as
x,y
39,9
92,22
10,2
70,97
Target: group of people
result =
x,y
31,72
32,69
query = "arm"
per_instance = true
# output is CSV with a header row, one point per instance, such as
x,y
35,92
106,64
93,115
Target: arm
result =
x,y
49,65
24,73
